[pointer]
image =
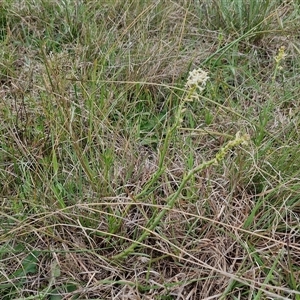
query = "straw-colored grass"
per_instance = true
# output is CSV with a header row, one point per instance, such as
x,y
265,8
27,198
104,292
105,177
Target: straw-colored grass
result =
x,y
122,177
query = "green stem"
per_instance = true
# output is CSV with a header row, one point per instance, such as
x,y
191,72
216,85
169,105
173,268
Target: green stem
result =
x,y
165,146
172,198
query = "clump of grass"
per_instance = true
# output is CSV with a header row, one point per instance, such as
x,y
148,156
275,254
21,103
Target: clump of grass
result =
x,y
122,177
253,18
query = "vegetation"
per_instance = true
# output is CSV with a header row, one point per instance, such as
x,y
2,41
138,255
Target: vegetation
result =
x,y
149,149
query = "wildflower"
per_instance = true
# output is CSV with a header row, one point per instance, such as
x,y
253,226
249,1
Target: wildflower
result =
x,y
281,55
278,58
197,78
239,140
195,83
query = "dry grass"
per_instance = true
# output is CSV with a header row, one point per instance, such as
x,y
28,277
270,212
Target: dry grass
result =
x,y
101,195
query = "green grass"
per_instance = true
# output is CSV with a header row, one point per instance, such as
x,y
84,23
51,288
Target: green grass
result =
x,y
114,185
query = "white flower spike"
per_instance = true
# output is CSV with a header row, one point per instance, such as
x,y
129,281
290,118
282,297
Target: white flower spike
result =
x,y
197,78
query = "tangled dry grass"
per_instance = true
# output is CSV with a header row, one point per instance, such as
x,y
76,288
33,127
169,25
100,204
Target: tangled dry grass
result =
x,y
98,145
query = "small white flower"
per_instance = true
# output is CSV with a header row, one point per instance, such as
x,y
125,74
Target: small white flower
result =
x,y
197,78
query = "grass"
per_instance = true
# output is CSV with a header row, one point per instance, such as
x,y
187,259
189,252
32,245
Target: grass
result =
x,y
120,181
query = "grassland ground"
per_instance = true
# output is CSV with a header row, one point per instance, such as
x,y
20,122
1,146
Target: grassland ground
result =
x,y
119,180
